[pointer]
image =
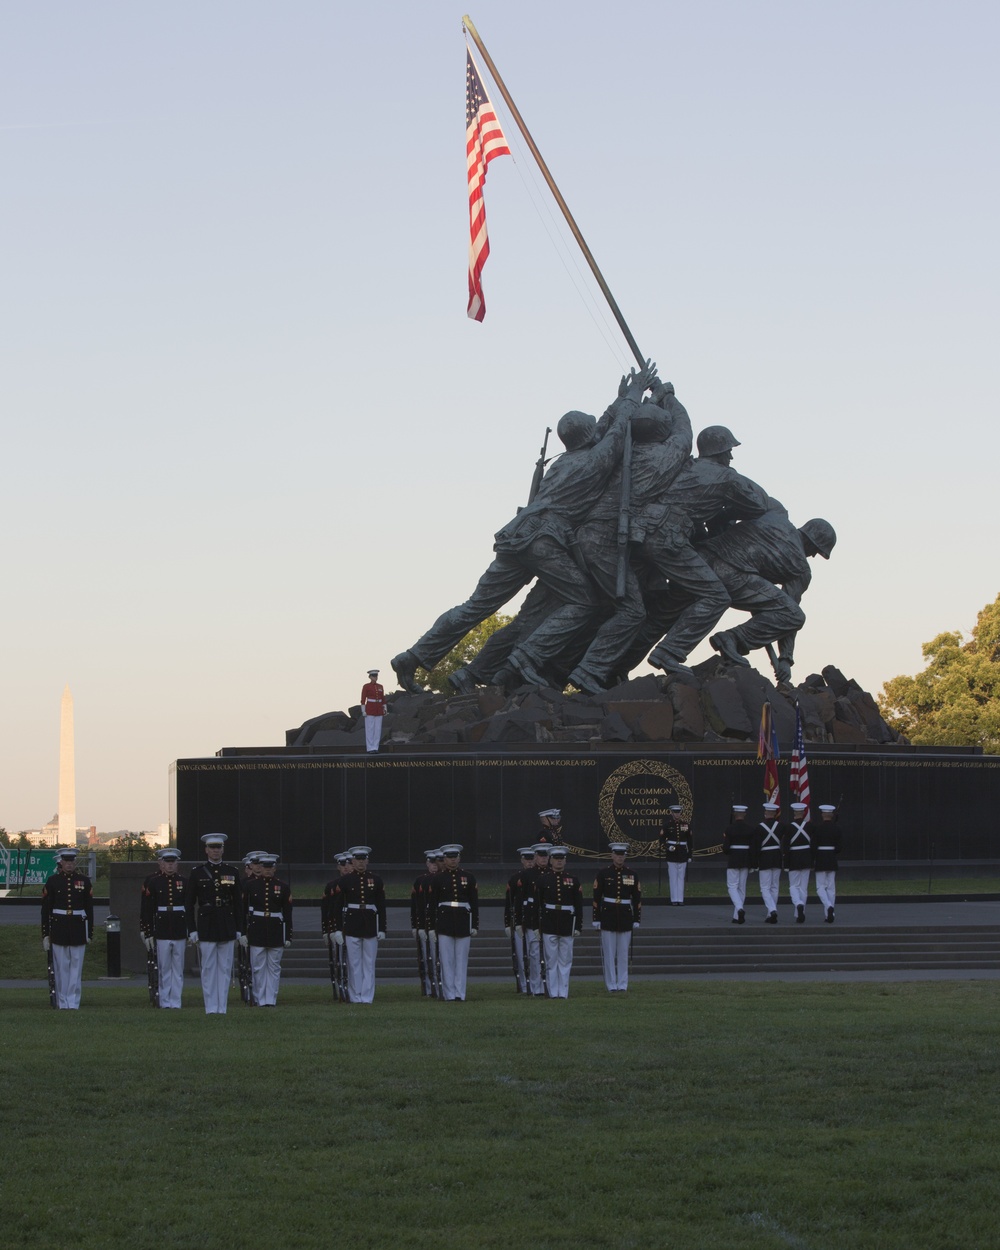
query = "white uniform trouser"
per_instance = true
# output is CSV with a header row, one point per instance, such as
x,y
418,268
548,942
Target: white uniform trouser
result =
x,y
770,882
216,973
361,954
454,955
736,884
373,732
676,874
558,961
67,964
265,971
170,969
614,956
534,962
826,888
798,886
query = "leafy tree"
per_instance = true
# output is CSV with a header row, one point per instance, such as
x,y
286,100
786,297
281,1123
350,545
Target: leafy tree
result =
x,y
955,701
130,846
464,653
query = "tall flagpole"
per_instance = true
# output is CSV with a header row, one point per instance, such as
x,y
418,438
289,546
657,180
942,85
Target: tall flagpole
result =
x,y
467,24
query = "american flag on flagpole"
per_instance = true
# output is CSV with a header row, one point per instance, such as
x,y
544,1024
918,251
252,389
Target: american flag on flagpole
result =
x,y
767,752
800,769
484,141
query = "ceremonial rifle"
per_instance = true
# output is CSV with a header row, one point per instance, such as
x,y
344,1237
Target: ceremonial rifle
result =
x,y
333,966
52,975
153,974
421,964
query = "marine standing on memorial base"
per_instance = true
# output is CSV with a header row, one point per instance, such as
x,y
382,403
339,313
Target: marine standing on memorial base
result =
x,y
454,918
617,913
163,925
373,710
678,850
359,921
736,845
826,837
769,855
418,917
560,909
214,904
551,830
798,859
268,904
67,926
512,910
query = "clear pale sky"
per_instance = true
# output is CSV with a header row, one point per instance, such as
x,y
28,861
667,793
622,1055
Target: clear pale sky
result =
x,y
253,445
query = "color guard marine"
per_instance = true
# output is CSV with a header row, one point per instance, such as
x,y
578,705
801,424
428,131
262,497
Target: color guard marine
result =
x,y
163,925
373,710
551,822
67,926
678,851
769,838
617,912
798,847
453,914
359,923
513,925
736,843
214,902
268,907
560,910
826,836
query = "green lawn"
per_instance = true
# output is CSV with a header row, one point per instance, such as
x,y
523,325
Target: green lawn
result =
x,y
697,1117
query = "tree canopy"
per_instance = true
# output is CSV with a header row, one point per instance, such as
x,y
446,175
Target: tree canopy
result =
x,y
464,653
955,701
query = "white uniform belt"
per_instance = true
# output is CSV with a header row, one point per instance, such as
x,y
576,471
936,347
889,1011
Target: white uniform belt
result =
x,y
356,907
467,906
559,907
620,902
175,908
825,848
277,915
739,848
59,911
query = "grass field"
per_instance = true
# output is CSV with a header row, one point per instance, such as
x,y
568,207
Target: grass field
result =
x,y
696,1117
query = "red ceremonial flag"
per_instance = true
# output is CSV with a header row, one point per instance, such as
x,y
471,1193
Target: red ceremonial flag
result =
x,y
484,140
799,778
767,752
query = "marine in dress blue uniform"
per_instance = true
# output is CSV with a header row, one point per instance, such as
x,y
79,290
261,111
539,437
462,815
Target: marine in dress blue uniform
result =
x,y
67,926
163,925
267,904
617,912
214,904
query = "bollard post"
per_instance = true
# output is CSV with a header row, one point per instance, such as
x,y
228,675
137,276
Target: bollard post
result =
x,y
113,928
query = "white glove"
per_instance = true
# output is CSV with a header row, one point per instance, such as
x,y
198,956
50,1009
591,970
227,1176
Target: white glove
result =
x,y
473,933
148,943
193,937
46,944
380,935
595,924
432,936
520,930
636,925
577,933
414,932
242,939
288,943
507,930
425,934
338,937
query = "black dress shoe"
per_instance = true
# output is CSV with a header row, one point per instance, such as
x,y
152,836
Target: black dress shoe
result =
x,y
829,915
740,916
772,918
800,914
